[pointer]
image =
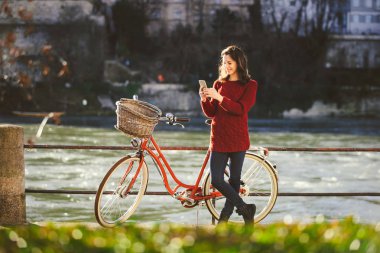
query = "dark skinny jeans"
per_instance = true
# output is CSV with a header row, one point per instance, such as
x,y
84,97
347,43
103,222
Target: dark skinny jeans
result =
x,y
218,163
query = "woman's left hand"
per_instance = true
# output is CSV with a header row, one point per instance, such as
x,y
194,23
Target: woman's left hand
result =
x,y
212,93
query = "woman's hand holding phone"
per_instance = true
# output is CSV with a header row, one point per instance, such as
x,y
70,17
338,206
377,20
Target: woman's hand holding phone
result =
x,y
202,86
213,93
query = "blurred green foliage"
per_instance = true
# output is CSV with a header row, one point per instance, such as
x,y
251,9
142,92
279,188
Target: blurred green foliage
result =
x,y
338,236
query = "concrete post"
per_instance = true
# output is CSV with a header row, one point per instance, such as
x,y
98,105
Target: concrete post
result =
x,y
12,175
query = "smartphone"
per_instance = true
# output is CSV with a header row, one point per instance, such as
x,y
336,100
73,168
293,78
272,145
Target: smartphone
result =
x,y
203,84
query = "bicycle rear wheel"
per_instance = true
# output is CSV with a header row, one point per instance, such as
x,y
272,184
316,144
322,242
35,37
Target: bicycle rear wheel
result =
x,y
120,191
258,185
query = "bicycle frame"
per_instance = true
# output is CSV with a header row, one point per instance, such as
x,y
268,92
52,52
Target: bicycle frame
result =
x,y
164,168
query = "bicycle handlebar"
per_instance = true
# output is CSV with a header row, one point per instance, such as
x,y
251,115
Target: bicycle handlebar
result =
x,y
181,119
173,120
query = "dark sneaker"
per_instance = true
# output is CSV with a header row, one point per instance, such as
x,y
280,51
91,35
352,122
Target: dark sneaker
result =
x,y
248,212
224,216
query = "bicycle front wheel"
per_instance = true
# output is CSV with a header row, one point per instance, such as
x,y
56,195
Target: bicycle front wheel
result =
x,y
258,185
120,191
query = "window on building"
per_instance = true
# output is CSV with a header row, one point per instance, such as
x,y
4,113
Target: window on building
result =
x,y
355,3
366,59
368,18
354,61
377,60
177,14
354,18
361,18
156,14
341,57
368,3
292,2
378,4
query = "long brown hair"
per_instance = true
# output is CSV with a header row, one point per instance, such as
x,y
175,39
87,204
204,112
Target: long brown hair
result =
x,y
239,56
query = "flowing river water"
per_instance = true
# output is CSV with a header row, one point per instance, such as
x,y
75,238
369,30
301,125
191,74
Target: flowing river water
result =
x,y
298,171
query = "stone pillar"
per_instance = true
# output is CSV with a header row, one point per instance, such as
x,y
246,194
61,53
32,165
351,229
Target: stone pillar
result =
x,y
12,175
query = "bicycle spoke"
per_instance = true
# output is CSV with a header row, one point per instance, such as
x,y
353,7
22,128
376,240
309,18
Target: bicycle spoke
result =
x,y
114,202
109,206
252,172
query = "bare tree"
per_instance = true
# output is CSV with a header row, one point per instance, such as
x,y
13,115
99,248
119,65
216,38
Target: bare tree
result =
x,y
278,23
318,16
322,18
301,13
196,8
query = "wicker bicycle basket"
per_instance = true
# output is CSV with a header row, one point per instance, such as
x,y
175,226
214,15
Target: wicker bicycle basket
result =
x,y
136,118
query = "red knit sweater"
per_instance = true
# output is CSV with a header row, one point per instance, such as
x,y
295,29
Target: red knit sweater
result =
x,y
229,127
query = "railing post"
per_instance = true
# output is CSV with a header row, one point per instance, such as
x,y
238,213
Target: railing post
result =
x,y
12,175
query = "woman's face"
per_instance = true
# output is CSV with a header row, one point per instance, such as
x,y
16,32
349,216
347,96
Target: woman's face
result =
x,y
230,66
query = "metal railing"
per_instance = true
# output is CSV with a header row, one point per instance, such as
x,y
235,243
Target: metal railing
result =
x,y
281,149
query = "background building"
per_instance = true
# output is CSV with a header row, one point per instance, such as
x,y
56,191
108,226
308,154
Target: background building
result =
x,y
357,46
168,14
300,16
364,17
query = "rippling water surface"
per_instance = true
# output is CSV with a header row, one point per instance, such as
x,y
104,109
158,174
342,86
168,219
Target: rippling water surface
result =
x,y
298,171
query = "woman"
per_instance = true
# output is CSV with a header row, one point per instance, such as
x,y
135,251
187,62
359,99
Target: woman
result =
x,y
227,103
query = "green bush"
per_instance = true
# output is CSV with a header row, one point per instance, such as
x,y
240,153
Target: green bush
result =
x,y
339,236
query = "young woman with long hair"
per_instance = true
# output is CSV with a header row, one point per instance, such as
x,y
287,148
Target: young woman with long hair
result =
x,y
227,103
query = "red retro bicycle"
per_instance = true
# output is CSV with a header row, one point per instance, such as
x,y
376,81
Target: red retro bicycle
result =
x,y
124,185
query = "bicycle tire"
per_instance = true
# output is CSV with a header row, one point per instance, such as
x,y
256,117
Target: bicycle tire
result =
x,y
259,179
117,197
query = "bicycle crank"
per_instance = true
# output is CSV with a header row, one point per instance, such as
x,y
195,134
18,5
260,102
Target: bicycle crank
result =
x,y
244,190
189,203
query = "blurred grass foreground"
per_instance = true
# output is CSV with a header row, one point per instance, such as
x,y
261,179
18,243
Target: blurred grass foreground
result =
x,y
337,236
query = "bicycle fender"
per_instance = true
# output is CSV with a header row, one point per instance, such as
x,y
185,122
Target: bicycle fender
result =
x,y
267,162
